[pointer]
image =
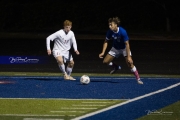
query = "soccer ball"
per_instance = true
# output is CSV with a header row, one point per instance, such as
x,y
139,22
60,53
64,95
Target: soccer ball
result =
x,y
84,79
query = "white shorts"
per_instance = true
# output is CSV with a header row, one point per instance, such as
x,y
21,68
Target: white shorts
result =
x,y
66,55
116,53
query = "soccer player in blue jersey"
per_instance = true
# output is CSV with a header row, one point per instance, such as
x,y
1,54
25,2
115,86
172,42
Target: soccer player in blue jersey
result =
x,y
120,47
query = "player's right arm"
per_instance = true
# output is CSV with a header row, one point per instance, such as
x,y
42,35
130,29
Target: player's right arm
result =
x,y
105,44
48,39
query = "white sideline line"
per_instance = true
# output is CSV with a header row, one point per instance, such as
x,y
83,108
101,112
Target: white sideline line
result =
x,y
72,115
28,115
129,101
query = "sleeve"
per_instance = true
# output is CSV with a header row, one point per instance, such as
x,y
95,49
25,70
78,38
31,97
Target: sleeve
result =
x,y
50,38
74,42
108,35
125,36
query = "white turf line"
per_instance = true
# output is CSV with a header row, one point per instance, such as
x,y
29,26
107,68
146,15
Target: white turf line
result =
x,y
129,101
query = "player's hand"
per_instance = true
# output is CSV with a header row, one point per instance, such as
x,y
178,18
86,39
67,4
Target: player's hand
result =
x,y
49,52
101,55
77,52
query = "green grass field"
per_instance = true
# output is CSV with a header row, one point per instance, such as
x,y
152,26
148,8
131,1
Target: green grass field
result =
x,y
19,109
37,109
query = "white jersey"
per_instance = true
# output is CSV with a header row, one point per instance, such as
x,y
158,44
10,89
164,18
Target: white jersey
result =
x,y
62,41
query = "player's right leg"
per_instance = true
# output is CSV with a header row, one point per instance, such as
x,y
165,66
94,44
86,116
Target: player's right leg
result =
x,y
62,67
108,59
60,61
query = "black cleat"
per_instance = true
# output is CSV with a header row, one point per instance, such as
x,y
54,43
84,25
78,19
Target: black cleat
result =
x,y
115,69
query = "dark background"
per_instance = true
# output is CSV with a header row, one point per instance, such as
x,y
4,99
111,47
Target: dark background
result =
x,y
88,16
153,17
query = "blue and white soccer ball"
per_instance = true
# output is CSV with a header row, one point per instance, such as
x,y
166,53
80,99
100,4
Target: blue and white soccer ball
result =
x,y
85,80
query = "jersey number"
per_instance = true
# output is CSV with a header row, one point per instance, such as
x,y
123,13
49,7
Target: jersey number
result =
x,y
66,41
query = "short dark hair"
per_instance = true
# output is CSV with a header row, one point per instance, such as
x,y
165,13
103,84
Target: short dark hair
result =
x,y
116,20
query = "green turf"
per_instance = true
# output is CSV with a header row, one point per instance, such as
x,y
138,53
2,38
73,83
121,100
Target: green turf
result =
x,y
80,74
171,112
18,109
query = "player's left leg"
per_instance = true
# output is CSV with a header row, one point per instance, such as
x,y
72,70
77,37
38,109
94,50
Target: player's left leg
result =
x,y
69,69
131,66
70,64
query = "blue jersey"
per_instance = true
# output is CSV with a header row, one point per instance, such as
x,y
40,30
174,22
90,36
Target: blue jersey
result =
x,y
118,38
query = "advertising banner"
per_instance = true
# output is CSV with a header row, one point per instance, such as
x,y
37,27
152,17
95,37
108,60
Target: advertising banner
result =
x,y
24,59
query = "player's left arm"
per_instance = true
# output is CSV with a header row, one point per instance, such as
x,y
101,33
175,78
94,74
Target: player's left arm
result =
x,y
75,44
127,48
129,59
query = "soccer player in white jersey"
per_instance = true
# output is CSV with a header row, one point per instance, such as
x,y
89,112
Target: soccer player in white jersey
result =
x,y
120,47
63,40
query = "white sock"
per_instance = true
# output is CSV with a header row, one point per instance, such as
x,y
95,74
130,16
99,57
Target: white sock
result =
x,y
62,68
133,69
69,70
110,64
